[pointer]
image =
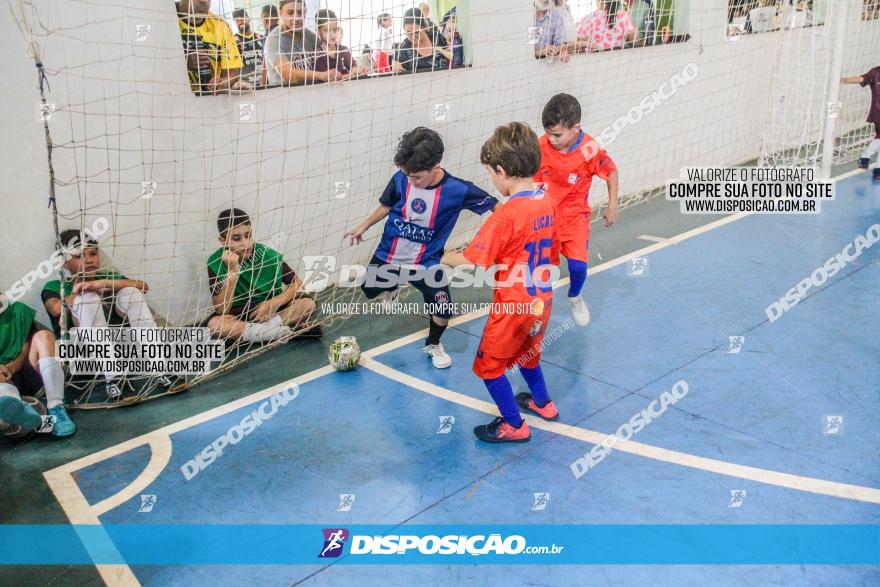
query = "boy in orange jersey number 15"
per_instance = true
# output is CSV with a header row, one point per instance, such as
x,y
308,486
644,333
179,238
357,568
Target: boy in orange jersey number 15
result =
x,y
520,238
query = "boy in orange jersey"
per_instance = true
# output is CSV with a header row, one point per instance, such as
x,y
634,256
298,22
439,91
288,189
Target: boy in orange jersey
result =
x,y
520,239
569,160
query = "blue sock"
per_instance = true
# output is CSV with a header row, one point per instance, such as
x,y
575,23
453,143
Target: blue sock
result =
x,y
535,380
577,273
502,393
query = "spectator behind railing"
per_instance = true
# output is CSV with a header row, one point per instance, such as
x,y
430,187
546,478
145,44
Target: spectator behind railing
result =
x,y
608,27
292,49
365,59
250,46
449,25
568,18
739,9
426,14
332,53
383,45
762,17
549,32
269,14
212,58
644,18
870,9
424,48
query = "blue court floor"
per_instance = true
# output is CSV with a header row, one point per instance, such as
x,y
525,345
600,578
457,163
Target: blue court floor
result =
x,y
758,421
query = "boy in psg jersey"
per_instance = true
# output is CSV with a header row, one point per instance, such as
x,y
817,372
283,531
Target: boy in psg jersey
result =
x,y
422,202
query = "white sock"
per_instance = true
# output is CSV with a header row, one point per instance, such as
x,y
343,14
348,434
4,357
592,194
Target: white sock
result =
x,y
89,311
265,331
872,149
53,380
133,304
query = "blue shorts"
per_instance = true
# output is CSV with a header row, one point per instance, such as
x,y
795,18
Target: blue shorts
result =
x,y
436,296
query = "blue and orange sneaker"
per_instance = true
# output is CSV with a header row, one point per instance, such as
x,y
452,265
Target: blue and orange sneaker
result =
x,y
526,403
500,431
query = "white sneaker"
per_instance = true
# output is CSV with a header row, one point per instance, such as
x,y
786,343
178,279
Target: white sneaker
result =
x,y
438,355
390,300
579,310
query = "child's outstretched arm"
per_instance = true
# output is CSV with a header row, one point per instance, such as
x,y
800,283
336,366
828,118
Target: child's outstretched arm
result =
x,y
610,214
355,234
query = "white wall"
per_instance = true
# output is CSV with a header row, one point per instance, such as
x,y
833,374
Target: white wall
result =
x,y
127,115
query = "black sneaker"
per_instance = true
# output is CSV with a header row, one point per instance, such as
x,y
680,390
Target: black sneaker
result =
x,y
877,173
500,431
167,380
863,163
118,388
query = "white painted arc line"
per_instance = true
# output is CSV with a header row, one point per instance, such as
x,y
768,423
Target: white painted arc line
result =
x,y
765,476
657,239
78,511
160,455
190,422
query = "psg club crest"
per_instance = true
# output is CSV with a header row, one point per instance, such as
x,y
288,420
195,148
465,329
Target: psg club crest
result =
x,y
419,205
334,540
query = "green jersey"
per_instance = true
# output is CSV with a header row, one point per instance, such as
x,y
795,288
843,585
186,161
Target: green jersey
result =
x,y
261,277
15,327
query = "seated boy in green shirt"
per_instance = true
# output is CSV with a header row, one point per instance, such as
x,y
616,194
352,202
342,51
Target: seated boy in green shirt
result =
x,y
27,363
93,294
257,297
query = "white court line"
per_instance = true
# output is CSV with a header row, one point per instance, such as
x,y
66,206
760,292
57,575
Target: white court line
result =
x,y
79,511
394,344
655,239
765,476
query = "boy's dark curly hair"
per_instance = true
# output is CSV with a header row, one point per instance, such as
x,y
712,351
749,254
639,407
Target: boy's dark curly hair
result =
x,y
562,109
419,150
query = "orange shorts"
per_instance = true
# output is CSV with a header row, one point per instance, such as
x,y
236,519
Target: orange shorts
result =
x,y
510,340
574,234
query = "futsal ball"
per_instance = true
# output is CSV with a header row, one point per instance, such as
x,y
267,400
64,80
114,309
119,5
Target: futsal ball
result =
x,y
344,353
17,432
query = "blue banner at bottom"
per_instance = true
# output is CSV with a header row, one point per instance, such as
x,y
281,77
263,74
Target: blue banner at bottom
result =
x,y
438,544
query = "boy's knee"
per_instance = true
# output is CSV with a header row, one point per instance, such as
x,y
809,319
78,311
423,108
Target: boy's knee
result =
x,y
217,325
86,297
129,294
44,337
43,341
